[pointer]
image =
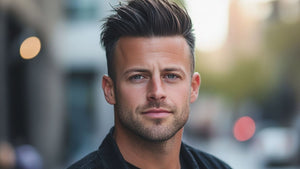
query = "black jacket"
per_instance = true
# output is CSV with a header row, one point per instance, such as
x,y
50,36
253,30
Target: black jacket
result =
x,y
108,156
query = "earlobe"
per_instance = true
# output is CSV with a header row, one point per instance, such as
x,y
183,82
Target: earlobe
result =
x,y
195,85
108,89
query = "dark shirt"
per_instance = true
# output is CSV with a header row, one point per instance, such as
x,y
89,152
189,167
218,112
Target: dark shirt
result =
x,y
130,166
108,156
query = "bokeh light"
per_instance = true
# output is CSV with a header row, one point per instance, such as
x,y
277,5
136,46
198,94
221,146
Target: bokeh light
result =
x,y
244,128
7,155
30,47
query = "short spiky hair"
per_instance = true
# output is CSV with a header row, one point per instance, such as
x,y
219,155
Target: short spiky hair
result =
x,y
145,18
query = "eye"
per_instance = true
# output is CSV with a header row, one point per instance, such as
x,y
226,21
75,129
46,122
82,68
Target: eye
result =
x,y
171,77
136,77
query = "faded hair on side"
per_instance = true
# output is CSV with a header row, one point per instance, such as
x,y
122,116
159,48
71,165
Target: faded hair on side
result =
x,y
145,18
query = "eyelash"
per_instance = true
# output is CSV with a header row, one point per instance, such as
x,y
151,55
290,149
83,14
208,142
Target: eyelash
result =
x,y
175,76
136,77
168,77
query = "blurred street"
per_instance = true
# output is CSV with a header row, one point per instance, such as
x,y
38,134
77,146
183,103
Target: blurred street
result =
x,y
52,108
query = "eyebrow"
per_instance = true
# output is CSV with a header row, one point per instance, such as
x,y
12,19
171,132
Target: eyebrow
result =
x,y
135,70
171,69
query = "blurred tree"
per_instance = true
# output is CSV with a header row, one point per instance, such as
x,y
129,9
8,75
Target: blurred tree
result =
x,y
181,3
261,72
246,78
283,44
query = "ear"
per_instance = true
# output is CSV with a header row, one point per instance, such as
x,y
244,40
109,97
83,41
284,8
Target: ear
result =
x,y
195,85
108,89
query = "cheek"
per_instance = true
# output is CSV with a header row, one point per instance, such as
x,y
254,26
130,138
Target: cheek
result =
x,y
180,94
131,96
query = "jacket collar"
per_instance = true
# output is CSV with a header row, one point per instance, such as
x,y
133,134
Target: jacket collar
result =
x,y
111,156
110,153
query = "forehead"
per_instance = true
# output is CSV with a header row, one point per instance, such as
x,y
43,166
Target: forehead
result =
x,y
147,49
159,43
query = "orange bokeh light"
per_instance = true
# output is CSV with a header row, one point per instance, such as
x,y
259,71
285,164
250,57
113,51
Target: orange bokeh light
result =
x,y
30,47
244,128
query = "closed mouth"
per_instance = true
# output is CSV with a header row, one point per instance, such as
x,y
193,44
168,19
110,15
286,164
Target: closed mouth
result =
x,y
157,113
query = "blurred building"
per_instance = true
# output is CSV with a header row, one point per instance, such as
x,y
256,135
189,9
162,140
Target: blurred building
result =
x,y
31,100
53,101
255,73
30,89
266,32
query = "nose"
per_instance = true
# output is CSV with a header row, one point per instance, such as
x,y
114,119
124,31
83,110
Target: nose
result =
x,y
156,90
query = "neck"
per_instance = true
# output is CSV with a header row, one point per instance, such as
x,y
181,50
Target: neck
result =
x,y
147,154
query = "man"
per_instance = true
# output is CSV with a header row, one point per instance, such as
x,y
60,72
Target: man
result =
x,y
151,82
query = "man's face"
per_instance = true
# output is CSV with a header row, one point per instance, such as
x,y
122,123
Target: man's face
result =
x,y
154,86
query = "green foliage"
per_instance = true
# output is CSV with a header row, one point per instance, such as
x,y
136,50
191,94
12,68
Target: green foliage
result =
x,y
258,73
181,3
282,37
283,43
247,78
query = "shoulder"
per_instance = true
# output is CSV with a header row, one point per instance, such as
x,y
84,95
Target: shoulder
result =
x,y
205,159
90,161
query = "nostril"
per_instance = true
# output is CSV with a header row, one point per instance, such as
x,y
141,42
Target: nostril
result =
x,y
156,97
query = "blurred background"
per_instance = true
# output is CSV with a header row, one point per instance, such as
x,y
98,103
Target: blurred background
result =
x,y
52,109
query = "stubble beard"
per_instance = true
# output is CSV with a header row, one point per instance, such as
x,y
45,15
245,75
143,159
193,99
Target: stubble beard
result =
x,y
159,130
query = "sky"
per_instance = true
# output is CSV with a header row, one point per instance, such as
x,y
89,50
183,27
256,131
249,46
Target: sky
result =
x,y
210,19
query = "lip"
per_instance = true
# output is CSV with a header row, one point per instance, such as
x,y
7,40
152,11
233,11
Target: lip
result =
x,y
157,113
